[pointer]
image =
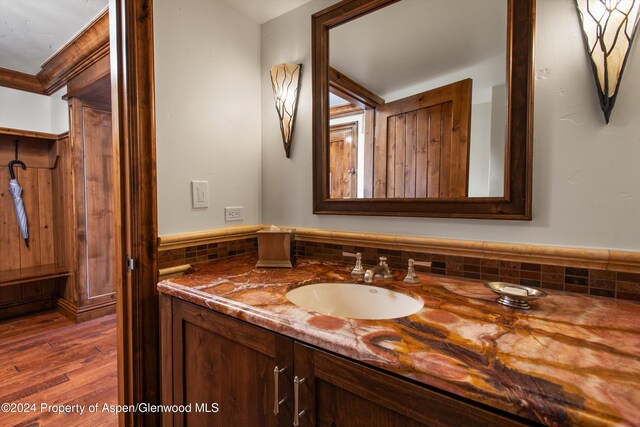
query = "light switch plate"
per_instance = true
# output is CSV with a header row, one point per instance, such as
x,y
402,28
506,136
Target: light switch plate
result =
x,y
235,213
199,194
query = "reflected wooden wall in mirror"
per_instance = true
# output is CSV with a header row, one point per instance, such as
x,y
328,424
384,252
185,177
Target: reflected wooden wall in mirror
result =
x,y
417,118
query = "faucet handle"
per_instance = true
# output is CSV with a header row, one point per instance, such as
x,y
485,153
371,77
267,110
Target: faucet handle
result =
x,y
358,270
411,276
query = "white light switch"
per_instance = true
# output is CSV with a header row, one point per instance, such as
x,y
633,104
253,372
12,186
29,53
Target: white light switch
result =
x,y
199,194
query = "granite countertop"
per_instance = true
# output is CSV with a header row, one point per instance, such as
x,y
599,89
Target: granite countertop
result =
x,y
573,359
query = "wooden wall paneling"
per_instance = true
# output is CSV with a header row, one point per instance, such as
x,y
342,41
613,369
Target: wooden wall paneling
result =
x,y
10,293
34,152
399,156
90,291
380,159
410,155
422,152
65,217
392,128
28,179
79,278
34,270
11,241
31,290
64,214
460,135
45,220
100,214
435,144
446,152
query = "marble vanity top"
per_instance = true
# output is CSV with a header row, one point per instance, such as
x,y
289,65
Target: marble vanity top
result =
x,y
572,360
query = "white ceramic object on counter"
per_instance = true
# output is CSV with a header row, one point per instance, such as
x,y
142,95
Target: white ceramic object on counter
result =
x,y
354,301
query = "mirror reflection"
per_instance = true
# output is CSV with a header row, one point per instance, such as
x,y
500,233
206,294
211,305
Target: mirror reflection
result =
x,y
418,101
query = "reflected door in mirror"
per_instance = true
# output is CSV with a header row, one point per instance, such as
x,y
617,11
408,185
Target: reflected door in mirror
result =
x,y
343,151
422,144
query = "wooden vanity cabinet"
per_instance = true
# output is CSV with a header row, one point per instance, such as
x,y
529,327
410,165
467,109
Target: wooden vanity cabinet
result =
x,y
338,392
218,359
210,357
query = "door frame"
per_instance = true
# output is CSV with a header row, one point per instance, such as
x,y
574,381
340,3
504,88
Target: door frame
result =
x,y
131,44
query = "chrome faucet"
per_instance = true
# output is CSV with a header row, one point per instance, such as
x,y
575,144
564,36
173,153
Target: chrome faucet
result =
x,y
358,270
379,271
411,276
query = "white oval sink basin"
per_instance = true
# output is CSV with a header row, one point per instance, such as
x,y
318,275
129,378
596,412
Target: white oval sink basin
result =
x,y
354,301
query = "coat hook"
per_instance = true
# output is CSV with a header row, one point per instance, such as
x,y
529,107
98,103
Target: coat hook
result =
x,y
16,141
15,162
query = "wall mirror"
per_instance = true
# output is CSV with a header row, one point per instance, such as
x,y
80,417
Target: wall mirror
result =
x,y
423,108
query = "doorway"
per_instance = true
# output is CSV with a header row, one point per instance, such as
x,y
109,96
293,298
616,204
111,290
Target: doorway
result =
x,y
58,295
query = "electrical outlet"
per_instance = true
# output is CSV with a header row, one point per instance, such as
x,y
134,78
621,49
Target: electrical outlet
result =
x,y
199,194
235,213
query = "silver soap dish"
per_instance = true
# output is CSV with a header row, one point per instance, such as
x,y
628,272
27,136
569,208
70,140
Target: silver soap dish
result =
x,y
516,296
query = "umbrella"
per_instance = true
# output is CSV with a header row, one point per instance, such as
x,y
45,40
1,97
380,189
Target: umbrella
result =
x,y
16,192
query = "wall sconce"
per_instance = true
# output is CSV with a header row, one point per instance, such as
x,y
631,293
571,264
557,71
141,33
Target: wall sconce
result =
x,y
285,81
608,29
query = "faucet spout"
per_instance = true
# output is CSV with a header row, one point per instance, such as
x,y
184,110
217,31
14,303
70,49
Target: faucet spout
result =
x,y
379,271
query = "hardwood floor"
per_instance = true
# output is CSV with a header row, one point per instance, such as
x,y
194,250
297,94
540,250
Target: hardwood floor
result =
x,y
47,359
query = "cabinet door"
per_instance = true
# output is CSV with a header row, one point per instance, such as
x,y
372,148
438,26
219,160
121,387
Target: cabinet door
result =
x,y
336,392
220,360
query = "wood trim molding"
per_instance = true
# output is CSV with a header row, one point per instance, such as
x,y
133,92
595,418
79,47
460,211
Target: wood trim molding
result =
x,y
133,103
177,241
344,110
81,314
81,52
20,81
352,91
166,273
604,259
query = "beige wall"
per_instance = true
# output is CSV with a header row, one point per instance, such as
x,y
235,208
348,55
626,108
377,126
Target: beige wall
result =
x,y
586,174
30,111
207,71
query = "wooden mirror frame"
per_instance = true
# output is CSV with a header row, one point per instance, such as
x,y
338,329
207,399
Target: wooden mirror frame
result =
x,y
516,202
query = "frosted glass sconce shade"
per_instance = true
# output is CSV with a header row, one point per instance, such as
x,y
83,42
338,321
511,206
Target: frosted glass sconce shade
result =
x,y
285,81
608,29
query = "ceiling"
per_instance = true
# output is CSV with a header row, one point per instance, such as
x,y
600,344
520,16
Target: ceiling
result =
x,y
418,40
261,11
31,31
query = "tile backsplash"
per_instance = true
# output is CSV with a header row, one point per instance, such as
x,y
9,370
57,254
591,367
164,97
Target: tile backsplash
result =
x,y
604,283
206,252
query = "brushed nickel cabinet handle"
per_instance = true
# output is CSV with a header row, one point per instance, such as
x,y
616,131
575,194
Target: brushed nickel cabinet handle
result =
x,y
276,393
296,400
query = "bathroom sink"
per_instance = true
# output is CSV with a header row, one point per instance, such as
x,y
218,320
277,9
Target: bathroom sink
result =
x,y
354,300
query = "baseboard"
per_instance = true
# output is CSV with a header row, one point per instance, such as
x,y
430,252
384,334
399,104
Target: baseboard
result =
x,y
25,307
88,312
